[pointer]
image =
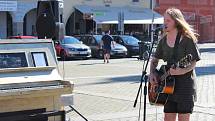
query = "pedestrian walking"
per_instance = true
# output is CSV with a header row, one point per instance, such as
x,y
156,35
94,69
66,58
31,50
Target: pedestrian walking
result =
x,y
106,43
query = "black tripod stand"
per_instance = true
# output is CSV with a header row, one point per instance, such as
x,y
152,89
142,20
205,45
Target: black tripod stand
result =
x,y
144,79
73,109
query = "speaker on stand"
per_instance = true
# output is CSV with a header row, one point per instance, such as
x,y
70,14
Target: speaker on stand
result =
x,y
49,23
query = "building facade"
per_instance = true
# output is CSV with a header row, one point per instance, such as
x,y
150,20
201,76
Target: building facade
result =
x,y
199,13
18,17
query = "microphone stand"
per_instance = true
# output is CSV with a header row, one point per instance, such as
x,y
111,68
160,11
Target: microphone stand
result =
x,y
144,77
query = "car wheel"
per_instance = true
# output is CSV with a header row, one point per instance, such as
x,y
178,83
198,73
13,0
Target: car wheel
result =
x,y
63,55
146,55
100,54
86,58
129,54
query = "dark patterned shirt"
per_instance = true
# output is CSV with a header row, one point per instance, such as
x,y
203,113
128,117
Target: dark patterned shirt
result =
x,y
185,85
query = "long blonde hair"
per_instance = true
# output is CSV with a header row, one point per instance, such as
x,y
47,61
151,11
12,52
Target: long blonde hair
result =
x,y
181,24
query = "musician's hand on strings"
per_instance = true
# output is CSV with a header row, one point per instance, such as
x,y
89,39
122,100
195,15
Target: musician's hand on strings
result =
x,y
153,78
176,71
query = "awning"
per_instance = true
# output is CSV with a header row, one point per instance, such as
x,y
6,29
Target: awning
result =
x,y
109,15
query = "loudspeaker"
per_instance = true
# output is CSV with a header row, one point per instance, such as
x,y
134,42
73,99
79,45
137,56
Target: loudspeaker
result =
x,y
49,23
45,26
44,7
57,7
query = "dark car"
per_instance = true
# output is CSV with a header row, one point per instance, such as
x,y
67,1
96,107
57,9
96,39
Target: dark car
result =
x,y
130,42
70,47
93,41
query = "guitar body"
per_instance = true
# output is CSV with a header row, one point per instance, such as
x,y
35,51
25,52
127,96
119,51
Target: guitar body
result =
x,y
158,93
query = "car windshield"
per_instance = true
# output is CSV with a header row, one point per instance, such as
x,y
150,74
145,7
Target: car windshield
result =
x,y
130,40
70,40
98,38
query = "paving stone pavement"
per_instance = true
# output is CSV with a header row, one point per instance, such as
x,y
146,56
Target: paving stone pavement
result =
x,y
109,95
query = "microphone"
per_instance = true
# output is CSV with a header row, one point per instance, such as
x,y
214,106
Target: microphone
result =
x,y
162,27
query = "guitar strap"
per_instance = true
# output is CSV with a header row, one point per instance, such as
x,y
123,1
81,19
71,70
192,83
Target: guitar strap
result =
x,y
175,49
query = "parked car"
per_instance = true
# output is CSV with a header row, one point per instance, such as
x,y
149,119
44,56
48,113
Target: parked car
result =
x,y
130,42
22,37
70,47
93,41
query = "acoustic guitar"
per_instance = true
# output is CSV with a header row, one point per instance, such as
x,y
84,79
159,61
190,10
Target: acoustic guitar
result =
x,y
158,93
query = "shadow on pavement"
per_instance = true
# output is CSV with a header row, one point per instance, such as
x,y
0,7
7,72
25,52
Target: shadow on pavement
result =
x,y
72,59
89,64
131,79
211,50
200,71
206,70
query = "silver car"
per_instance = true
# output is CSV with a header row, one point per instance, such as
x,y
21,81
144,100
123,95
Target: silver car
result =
x,y
71,47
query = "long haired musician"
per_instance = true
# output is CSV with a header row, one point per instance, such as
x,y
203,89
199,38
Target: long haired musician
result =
x,y
181,102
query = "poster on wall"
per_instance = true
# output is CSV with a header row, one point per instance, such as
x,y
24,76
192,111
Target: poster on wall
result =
x,y
8,5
